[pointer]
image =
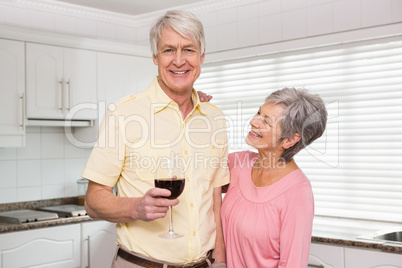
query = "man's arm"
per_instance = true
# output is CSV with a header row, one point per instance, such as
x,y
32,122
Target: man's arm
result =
x,y
219,252
100,202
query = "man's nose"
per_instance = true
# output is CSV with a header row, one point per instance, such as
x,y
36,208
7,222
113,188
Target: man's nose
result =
x,y
179,59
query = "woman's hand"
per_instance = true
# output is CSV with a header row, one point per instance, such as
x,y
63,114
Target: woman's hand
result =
x,y
203,96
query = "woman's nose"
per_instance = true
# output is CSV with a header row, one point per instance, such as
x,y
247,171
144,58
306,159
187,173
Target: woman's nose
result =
x,y
256,120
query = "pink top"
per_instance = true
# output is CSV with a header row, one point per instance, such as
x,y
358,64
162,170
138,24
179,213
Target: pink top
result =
x,y
266,226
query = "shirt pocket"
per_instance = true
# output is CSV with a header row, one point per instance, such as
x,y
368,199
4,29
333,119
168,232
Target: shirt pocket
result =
x,y
147,161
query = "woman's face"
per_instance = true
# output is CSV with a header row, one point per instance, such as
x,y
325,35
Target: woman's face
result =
x,y
266,128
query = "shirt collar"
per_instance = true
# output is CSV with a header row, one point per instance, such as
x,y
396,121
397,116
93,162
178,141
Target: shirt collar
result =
x,y
158,96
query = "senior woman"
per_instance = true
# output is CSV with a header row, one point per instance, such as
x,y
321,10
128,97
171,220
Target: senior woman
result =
x,y
267,212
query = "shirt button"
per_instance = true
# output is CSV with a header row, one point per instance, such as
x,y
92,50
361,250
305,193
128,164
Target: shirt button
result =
x,y
186,152
193,233
213,147
192,205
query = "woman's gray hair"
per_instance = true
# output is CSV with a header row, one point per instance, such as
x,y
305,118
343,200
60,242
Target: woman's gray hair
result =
x,y
304,114
183,22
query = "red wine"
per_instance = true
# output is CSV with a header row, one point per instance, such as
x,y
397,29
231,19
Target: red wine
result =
x,y
175,186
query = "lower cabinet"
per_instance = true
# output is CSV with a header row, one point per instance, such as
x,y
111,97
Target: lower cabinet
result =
x,y
47,247
364,258
90,244
98,245
325,256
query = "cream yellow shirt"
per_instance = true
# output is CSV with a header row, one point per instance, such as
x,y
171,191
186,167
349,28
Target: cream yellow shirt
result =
x,y
136,136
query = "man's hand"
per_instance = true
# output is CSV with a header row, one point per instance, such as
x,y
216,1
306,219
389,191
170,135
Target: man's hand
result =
x,y
152,205
203,96
101,203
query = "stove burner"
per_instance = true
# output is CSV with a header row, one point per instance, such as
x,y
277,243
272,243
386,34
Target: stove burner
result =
x,y
66,210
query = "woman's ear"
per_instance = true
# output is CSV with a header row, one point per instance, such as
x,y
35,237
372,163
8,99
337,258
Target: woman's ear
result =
x,y
289,142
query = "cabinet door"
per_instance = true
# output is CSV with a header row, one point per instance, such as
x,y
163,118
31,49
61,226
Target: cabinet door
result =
x,y
325,256
47,247
121,75
45,82
80,83
12,90
99,246
366,258
116,77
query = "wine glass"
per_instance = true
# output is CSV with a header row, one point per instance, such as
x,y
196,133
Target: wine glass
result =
x,y
172,179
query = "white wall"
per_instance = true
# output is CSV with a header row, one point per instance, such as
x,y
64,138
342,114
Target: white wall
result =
x,y
49,166
234,24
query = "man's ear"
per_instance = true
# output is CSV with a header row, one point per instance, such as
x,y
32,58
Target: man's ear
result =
x,y
155,59
289,142
202,58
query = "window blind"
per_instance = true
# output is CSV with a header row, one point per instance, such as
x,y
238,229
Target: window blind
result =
x,y
355,168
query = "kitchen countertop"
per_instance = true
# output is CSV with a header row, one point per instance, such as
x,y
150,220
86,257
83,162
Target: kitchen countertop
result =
x,y
327,230
14,227
355,233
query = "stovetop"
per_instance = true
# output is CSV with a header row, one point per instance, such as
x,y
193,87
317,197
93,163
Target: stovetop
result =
x,y
42,214
66,210
26,216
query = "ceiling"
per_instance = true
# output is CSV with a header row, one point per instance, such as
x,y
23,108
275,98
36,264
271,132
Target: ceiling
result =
x,y
132,7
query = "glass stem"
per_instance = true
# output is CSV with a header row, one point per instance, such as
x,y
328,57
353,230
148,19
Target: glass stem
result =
x,y
170,221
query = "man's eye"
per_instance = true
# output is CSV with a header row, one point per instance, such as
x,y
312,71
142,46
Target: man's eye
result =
x,y
168,50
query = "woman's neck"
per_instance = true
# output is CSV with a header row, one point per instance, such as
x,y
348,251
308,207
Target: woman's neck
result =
x,y
268,170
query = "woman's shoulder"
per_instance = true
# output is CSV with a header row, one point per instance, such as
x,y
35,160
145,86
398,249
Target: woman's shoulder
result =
x,y
241,158
242,154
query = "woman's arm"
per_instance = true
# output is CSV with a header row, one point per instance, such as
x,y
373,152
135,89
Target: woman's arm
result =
x,y
219,252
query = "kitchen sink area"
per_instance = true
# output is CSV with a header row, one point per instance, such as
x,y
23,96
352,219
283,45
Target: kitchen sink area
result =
x,y
393,236
379,235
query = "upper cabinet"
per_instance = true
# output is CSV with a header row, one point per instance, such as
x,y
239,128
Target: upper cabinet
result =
x,y
121,75
12,98
61,83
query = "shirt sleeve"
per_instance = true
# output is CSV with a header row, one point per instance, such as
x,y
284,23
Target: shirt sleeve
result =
x,y
296,229
107,157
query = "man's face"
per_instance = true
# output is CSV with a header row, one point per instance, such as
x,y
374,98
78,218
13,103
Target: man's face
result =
x,y
179,62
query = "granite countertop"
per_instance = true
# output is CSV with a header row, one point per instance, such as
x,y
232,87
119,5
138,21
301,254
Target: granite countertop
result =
x,y
14,227
327,230
355,233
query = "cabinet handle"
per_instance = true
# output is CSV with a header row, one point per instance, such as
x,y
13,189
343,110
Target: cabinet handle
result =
x,y
23,110
61,94
68,94
315,266
89,252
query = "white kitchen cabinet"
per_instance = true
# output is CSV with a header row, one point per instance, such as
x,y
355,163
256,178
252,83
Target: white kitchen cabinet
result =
x,y
118,75
121,75
326,256
61,82
47,247
98,245
12,90
365,258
